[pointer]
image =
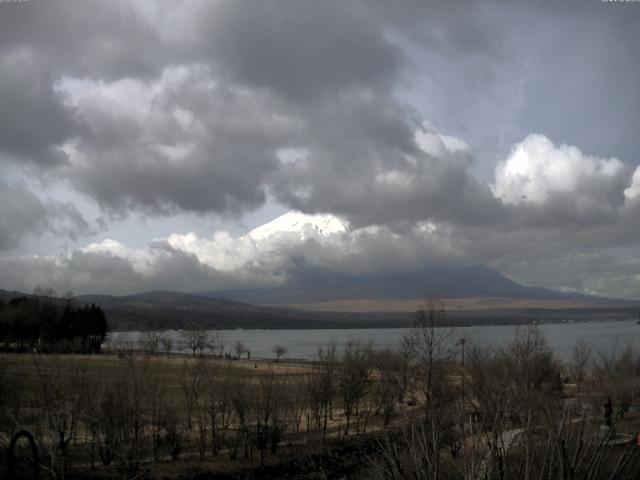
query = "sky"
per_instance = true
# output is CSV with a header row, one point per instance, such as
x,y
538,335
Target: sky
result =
x,y
141,140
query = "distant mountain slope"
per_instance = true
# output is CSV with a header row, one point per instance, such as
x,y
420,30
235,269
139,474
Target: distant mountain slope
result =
x,y
322,298
175,310
156,299
6,295
317,285
308,283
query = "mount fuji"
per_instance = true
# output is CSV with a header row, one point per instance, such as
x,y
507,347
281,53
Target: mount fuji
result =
x,y
302,225
310,286
319,297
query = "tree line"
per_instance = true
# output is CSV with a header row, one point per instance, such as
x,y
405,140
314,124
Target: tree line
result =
x,y
45,323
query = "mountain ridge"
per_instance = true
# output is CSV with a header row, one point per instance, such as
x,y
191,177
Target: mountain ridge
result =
x,y
308,284
161,310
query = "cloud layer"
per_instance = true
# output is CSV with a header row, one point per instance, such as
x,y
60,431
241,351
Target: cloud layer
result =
x,y
413,123
22,214
542,194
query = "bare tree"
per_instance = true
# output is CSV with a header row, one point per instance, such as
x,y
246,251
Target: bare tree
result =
x,y
242,402
580,362
200,407
430,345
156,404
174,434
522,428
61,394
240,348
167,344
195,339
217,396
518,377
565,448
150,342
530,358
320,386
271,408
490,380
192,383
117,415
129,417
354,378
279,351
388,389
218,344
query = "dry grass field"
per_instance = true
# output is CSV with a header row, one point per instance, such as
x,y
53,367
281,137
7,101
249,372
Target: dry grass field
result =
x,y
63,396
367,305
358,414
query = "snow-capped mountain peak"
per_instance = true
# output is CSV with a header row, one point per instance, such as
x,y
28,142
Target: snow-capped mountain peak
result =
x,y
302,224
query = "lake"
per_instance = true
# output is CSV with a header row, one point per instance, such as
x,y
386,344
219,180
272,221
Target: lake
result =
x,y
561,337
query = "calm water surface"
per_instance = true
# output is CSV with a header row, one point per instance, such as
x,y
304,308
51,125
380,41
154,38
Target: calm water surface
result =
x,y
562,337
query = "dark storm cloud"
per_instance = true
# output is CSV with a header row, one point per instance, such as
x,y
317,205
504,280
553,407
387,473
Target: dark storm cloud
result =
x,y
259,77
399,180
265,76
41,42
23,214
91,38
34,118
179,142
300,49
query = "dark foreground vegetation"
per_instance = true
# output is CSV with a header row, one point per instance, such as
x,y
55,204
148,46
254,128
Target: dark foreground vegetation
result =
x,y
434,408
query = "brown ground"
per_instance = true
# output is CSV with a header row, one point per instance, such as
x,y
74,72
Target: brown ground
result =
x,y
293,457
368,305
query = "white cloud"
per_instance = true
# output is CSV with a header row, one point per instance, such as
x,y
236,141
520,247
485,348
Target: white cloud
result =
x,y
442,146
537,170
294,242
633,191
265,256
